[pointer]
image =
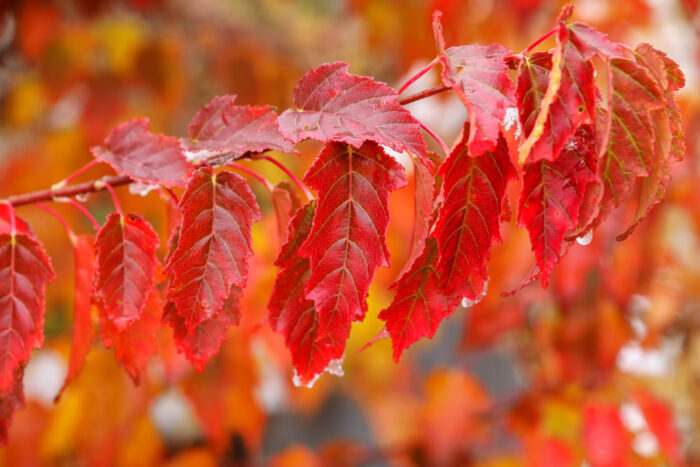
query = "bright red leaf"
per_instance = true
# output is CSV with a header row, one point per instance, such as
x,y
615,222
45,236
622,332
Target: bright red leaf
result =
x,y
468,221
604,437
660,418
11,399
84,261
204,340
223,127
420,305
213,245
125,250
479,76
131,149
551,197
346,244
333,105
24,272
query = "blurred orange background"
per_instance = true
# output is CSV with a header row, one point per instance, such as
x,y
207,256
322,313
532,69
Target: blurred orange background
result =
x,y
524,380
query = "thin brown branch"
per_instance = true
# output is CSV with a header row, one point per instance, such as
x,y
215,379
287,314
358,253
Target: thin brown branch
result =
x,y
423,94
69,191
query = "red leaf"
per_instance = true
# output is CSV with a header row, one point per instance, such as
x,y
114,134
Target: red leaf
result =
x,y
204,340
213,245
334,105
291,314
6,222
424,181
135,345
659,417
592,42
125,248
221,126
24,272
479,76
551,197
604,436
346,244
11,399
146,157
473,193
82,317
286,202
419,305
556,94
627,133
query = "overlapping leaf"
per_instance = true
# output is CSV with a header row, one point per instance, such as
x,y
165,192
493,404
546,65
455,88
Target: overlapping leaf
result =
x,y
420,304
24,272
203,341
136,344
125,250
479,76
286,202
551,197
333,105
131,149
84,261
556,94
223,127
213,245
11,399
346,244
293,315
468,221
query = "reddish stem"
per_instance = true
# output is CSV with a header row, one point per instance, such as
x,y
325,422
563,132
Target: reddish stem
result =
x,y
64,223
418,75
81,170
437,139
423,94
252,173
539,41
293,177
82,209
68,191
115,199
172,194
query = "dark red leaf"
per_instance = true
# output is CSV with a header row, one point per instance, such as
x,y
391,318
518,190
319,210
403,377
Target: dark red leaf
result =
x,y
291,314
84,260
126,261
223,127
149,158
551,197
24,272
6,222
479,76
213,246
419,305
468,221
204,340
334,105
346,244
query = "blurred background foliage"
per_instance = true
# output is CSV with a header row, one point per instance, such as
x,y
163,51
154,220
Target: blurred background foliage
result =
x,y
604,367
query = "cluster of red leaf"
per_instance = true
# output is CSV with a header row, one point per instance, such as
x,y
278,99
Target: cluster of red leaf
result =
x,y
582,151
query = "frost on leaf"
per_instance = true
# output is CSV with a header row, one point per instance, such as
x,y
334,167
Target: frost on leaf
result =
x,y
468,221
126,261
479,76
223,127
131,149
213,245
551,197
333,105
347,240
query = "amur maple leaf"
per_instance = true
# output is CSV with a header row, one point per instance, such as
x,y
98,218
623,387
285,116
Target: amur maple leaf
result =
x,y
479,76
551,197
333,105
223,127
126,261
346,244
286,202
213,244
468,220
131,149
